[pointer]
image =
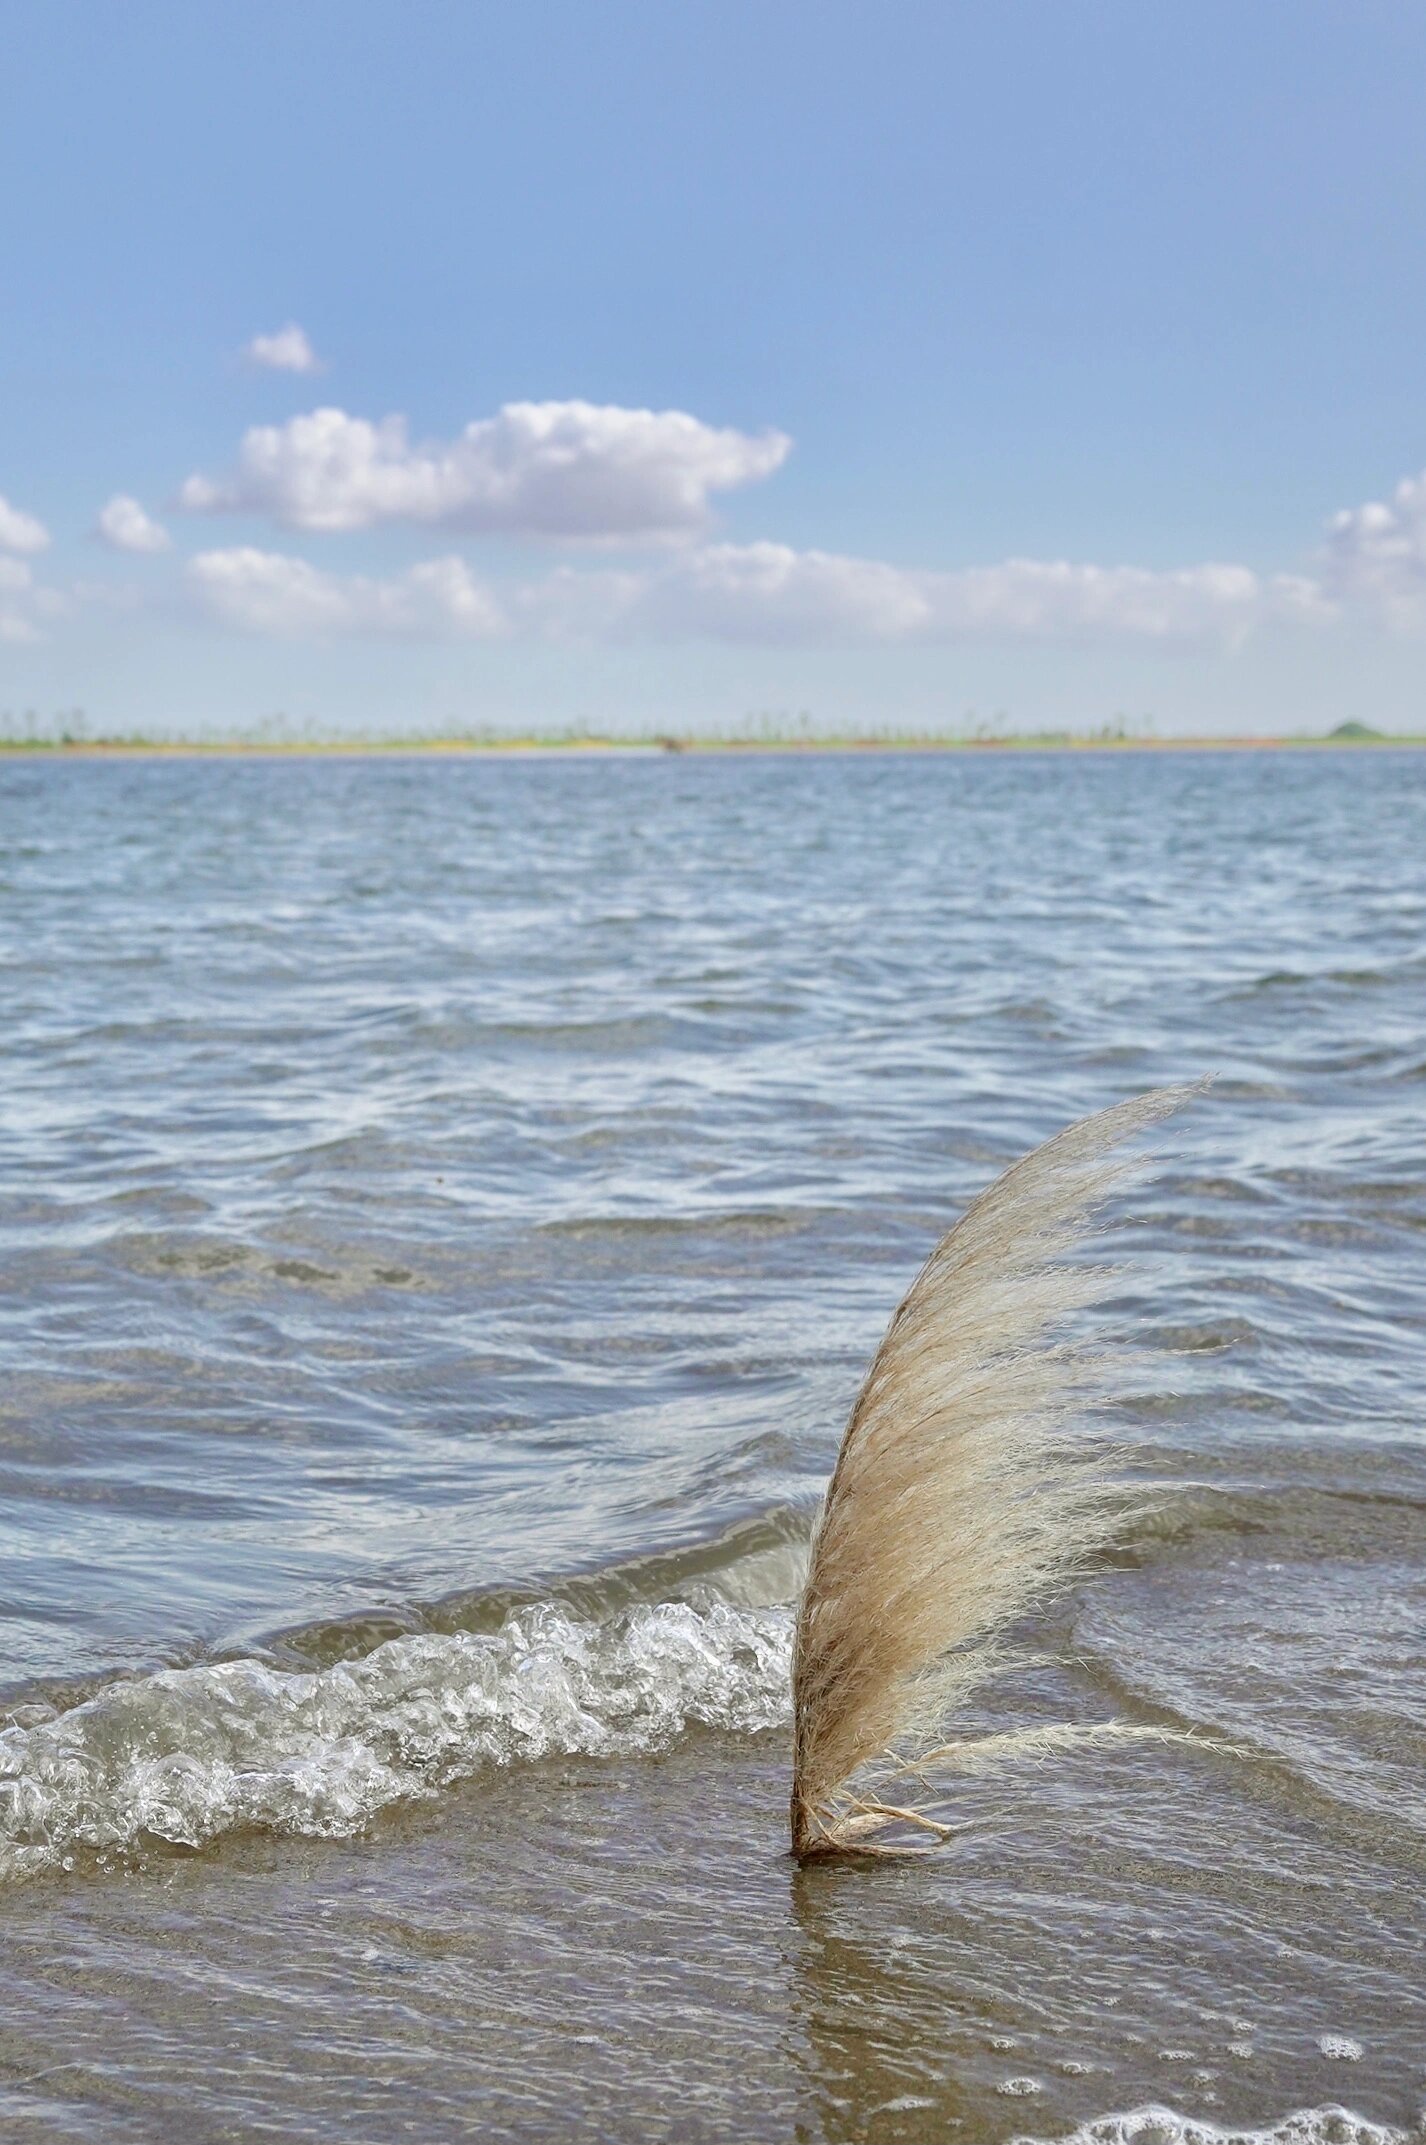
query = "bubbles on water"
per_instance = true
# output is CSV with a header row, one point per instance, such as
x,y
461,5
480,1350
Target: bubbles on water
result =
x,y
1340,2048
1155,2125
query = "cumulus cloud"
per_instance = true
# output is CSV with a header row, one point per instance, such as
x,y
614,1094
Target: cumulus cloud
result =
x,y
1036,599
25,607
769,592
124,526
772,594
273,594
1376,555
289,350
20,532
764,594
572,469
548,469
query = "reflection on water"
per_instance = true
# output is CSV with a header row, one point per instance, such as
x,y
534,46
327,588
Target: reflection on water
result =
x,y
875,2065
437,1195
631,1943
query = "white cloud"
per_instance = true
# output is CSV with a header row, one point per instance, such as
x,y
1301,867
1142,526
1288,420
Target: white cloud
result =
x,y
125,526
20,532
273,594
1376,555
24,606
1372,568
772,594
769,592
1035,599
753,593
289,350
548,469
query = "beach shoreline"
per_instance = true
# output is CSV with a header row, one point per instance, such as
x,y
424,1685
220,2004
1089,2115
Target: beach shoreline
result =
x,y
670,748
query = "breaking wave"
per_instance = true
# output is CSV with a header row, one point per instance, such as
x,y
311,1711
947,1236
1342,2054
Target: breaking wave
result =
x,y
191,1753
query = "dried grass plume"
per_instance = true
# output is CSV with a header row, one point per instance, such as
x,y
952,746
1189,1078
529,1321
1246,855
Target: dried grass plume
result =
x,y
962,1493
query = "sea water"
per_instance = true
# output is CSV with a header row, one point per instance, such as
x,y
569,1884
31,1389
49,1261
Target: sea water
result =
x,y
447,1206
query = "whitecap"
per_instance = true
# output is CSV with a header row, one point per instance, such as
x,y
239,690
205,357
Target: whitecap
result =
x,y
191,1753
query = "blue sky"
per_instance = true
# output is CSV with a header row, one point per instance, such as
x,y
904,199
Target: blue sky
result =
x,y
679,362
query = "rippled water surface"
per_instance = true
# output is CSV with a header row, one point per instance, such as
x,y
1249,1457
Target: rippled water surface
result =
x,y
447,1206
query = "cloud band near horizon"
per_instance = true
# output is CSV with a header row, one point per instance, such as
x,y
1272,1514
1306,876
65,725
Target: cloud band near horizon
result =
x,y
584,475
755,594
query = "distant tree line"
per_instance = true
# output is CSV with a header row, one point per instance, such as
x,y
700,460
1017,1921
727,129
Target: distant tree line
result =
x,y
28,726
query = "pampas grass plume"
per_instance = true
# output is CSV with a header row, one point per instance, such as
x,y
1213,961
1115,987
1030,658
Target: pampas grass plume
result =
x,y
963,1492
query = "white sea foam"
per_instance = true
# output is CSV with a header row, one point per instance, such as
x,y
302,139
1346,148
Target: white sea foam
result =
x,y
1153,2125
194,1752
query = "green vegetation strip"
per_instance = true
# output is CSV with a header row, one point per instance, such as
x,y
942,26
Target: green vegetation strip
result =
x,y
70,736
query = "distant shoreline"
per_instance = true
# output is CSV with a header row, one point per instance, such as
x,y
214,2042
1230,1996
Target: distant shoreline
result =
x,y
660,747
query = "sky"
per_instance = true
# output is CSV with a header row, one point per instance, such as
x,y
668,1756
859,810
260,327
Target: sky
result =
x,y
417,367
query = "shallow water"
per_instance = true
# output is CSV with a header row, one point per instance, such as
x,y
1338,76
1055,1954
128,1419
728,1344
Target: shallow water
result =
x,y
447,1206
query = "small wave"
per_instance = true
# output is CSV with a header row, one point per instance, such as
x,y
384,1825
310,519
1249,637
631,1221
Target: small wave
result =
x,y
1164,2126
189,1754
696,1225
757,1563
